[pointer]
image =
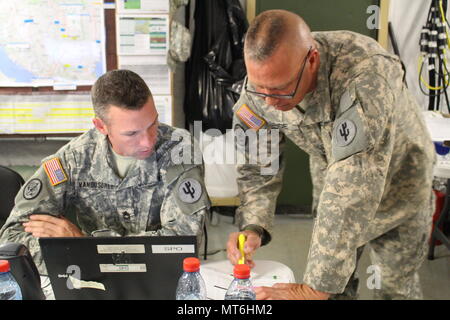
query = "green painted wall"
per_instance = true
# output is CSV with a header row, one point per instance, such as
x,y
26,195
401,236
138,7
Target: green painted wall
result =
x,y
320,15
323,15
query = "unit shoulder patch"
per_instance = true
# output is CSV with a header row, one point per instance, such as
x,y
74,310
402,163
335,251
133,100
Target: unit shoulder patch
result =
x,y
345,132
189,190
32,189
349,129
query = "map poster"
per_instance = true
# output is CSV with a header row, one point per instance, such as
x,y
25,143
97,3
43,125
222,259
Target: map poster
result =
x,y
51,42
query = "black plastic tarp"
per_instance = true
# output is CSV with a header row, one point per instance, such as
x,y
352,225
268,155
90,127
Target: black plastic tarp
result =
x,y
216,69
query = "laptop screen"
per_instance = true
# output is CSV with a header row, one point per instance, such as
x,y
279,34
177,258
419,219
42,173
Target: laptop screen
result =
x,y
110,268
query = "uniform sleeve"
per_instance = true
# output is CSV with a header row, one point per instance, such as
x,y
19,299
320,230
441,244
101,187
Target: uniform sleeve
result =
x,y
185,206
353,184
259,177
37,196
186,203
318,167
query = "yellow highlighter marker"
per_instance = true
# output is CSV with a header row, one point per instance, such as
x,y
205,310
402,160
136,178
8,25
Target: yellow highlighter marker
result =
x,y
241,241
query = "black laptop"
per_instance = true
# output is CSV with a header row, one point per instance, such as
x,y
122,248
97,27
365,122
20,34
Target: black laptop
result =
x,y
116,268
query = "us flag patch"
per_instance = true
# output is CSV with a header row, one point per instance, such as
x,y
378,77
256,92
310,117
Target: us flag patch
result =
x,y
250,118
54,171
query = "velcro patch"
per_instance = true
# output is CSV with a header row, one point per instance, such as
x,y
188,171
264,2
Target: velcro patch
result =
x,y
55,171
32,189
345,132
190,190
251,119
349,135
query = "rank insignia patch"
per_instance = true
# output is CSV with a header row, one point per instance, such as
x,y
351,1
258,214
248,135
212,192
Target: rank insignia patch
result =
x,y
54,171
250,118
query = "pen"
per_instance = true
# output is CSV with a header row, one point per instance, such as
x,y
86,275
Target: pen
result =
x,y
241,241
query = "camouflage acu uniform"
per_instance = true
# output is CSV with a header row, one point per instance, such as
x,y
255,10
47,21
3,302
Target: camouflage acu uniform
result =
x,y
371,162
150,200
180,37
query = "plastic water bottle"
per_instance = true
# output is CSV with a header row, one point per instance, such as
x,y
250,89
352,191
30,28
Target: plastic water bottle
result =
x,y
241,287
191,285
9,288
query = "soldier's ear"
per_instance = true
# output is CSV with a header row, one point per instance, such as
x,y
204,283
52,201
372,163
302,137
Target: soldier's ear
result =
x,y
100,125
314,59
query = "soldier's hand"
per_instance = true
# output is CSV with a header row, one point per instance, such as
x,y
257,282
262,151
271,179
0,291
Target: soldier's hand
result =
x,y
43,225
289,291
252,243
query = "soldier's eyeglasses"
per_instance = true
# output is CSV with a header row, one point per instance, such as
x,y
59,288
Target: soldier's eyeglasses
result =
x,y
280,96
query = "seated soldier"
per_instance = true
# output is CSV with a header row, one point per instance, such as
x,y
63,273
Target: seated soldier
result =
x,y
121,178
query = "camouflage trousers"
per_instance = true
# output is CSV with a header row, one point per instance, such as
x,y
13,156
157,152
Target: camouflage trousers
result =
x,y
398,255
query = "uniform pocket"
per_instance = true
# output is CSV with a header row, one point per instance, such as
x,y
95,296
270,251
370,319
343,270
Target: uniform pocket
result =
x,y
94,210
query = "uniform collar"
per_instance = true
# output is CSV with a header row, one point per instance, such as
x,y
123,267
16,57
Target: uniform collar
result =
x,y
142,173
317,104
150,171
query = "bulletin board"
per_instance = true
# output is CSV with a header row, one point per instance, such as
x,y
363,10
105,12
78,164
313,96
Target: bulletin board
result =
x,y
65,98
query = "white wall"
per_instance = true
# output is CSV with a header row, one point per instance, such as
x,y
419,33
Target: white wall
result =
x,y
407,18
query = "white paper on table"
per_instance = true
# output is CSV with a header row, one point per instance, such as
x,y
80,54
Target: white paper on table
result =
x,y
218,276
438,126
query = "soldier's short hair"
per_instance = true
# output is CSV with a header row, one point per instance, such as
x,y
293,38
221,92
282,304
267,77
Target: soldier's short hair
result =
x,y
271,29
264,35
121,88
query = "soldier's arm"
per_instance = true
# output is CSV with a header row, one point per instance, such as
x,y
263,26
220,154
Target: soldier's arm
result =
x,y
362,145
259,167
318,166
37,197
259,182
186,203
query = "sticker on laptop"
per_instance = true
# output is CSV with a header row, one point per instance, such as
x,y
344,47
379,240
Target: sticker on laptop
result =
x,y
173,248
117,268
76,283
120,248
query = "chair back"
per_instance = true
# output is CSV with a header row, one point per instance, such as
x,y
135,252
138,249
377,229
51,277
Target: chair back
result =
x,y
10,184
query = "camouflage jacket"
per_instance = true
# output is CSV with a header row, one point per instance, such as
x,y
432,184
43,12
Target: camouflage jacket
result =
x,y
150,200
371,156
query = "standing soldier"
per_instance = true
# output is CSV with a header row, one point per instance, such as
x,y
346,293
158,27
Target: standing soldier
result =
x,y
340,97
